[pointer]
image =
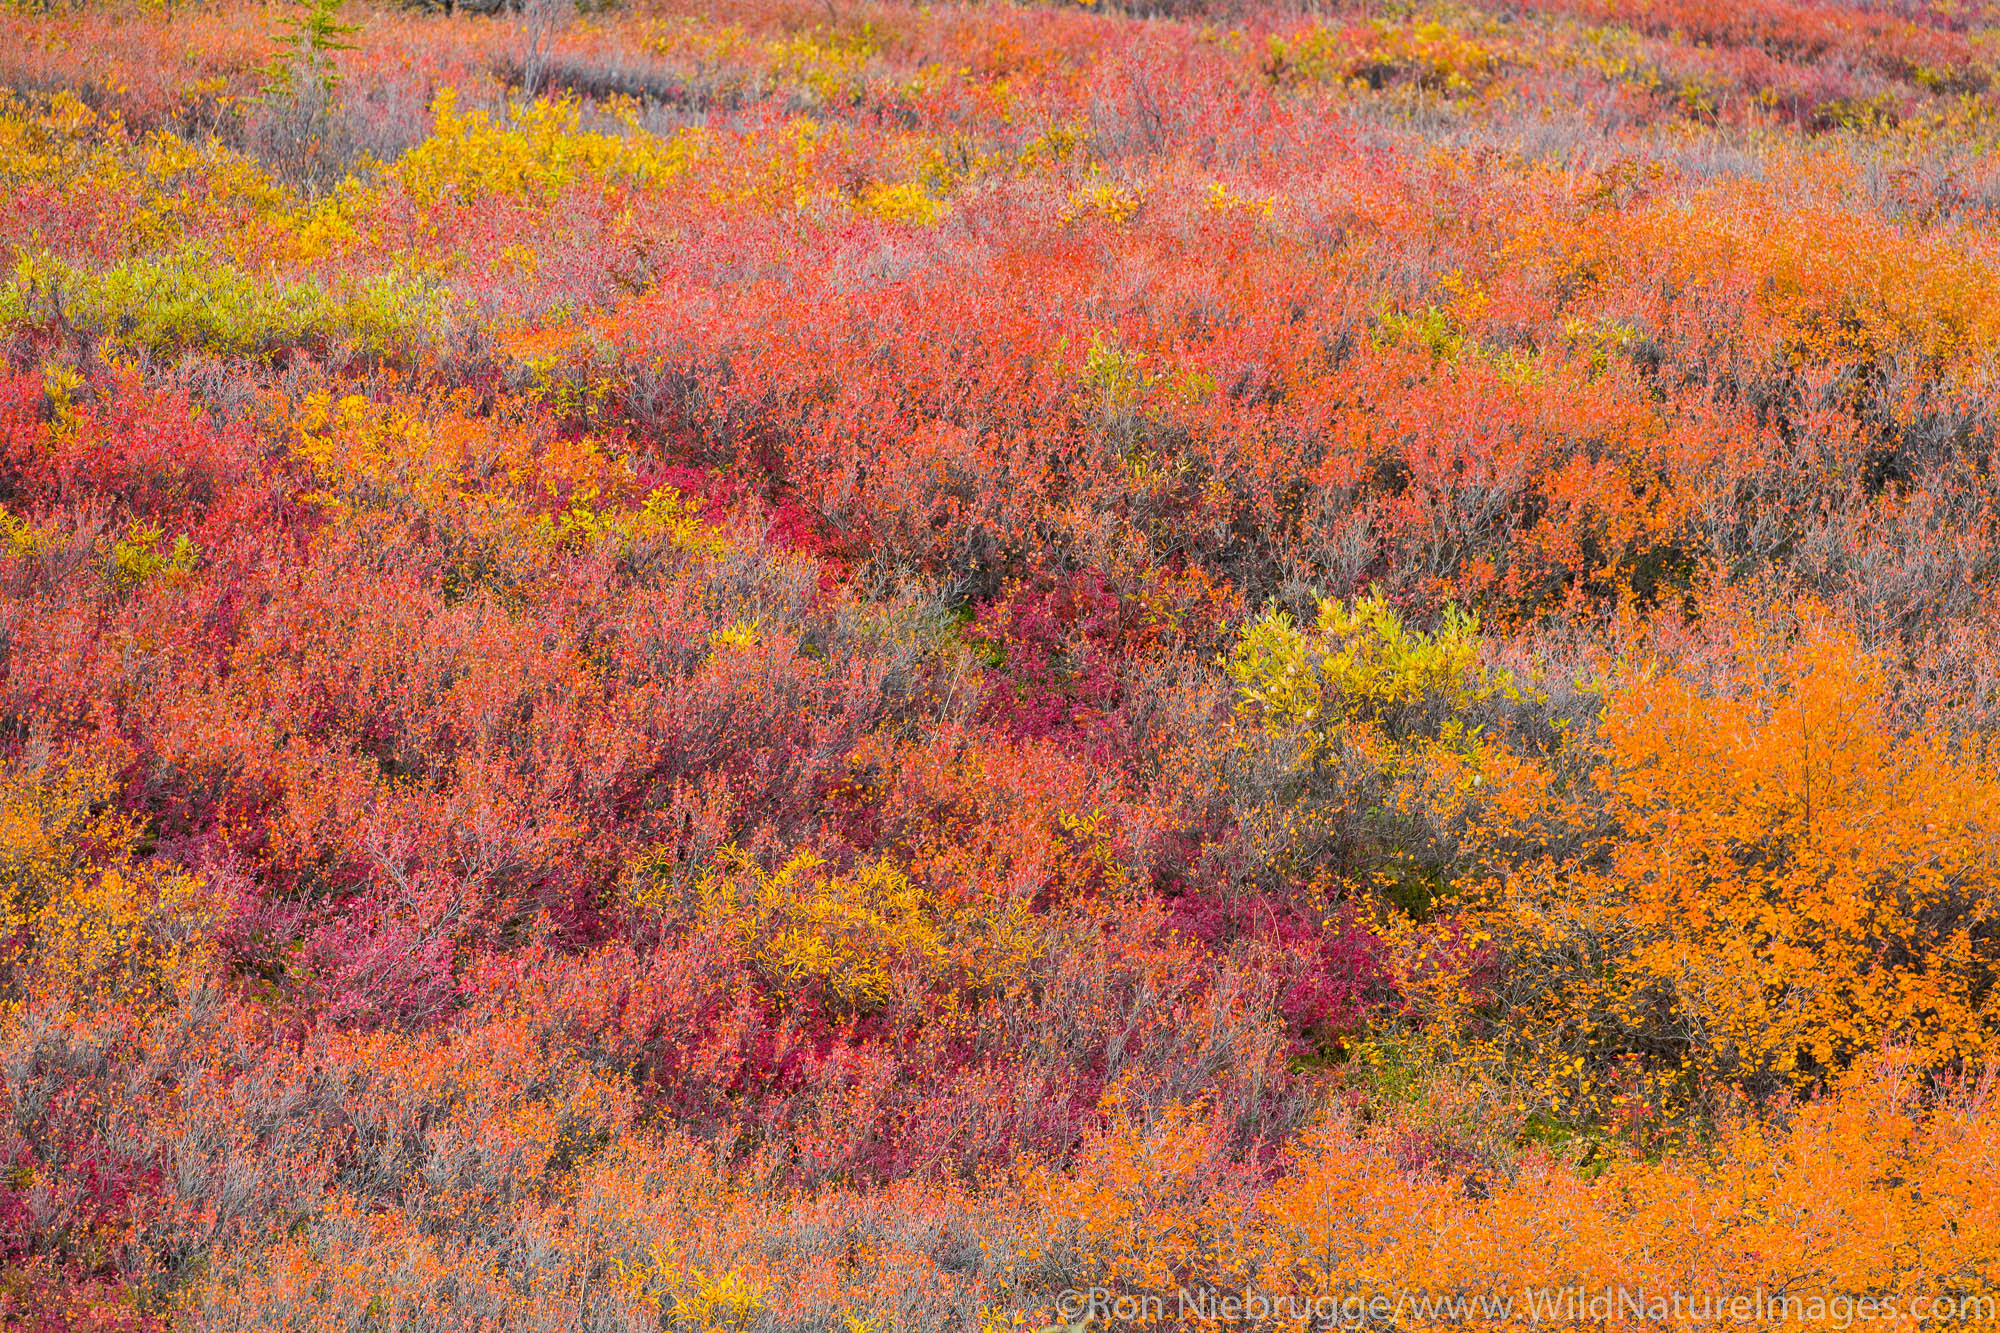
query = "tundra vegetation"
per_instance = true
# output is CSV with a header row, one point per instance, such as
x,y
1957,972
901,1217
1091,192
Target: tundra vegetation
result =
x,y
839,665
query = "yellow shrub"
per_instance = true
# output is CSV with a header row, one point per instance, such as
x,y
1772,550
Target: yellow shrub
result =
x,y
1383,755
1428,53
1220,199
906,203
857,936
138,557
538,153
1113,201
1361,662
1052,148
667,518
863,940
828,64
365,454
163,182
80,921
23,539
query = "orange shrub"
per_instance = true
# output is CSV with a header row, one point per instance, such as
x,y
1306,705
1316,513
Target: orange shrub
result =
x,y
1789,883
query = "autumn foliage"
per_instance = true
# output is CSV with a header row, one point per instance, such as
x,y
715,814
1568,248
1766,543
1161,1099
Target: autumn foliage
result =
x,y
851,666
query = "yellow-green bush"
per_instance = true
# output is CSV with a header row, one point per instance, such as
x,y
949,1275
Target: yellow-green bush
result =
x,y
188,300
1371,753
1360,662
144,554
